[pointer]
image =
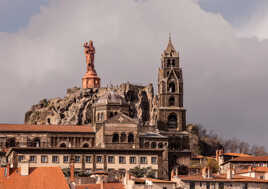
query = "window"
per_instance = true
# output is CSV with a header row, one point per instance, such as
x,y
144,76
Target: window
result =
x,y
160,145
132,160
65,159
172,120
208,185
76,159
143,160
88,159
221,185
171,87
192,185
122,159
171,101
153,145
154,160
130,138
123,137
110,159
20,158
63,145
44,159
55,159
32,159
99,159
115,138
245,186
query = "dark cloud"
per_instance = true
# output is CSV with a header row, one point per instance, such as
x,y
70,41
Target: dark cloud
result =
x,y
225,76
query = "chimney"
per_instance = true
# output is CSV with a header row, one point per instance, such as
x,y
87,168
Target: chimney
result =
x,y
229,171
24,168
72,171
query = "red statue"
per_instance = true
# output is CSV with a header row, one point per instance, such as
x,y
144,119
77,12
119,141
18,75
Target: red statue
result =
x,y
89,52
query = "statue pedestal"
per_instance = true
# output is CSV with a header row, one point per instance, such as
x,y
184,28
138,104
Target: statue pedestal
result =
x,y
90,80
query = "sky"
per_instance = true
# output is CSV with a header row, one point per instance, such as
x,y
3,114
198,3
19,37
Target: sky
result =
x,y
222,45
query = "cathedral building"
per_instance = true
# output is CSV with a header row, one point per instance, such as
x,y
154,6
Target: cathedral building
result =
x,y
118,129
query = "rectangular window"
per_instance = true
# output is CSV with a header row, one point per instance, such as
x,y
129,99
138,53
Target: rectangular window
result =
x,y
208,185
192,185
55,159
122,159
65,159
110,159
154,160
77,159
245,186
221,185
88,159
132,160
99,159
20,158
44,159
143,160
32,159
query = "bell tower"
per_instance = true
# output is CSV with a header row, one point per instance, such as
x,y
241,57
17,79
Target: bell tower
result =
x,y
171,114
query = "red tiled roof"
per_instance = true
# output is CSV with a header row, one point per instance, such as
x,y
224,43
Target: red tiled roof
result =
x,y
45,128
250,159
255,169
41,178
237,154
98,186
222,178
153,180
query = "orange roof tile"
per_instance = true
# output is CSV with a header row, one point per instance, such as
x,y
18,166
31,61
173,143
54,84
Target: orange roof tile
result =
x,y
41,178
45,128
250,159
237,154
98,186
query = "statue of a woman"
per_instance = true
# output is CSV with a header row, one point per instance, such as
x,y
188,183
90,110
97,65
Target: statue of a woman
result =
x,y
90,53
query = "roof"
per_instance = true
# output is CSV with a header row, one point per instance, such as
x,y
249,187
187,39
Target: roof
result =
x,y
255,169
122,118
249,159
170,50
46,128
111,97
236,154
153,135
142,180
222,178
98,186
41,178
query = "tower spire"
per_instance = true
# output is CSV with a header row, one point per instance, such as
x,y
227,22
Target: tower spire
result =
x,y
170,50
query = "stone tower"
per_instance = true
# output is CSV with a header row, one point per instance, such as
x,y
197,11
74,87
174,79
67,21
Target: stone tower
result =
x,y
171,114
90,79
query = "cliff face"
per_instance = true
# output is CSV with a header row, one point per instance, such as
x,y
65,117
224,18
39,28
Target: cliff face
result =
x,y
76,107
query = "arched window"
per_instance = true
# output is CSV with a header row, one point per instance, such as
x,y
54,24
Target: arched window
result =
x,y
160,145
115,138
85,145
123,137
171,87
36,142
111,114
153,145
172,120
63,145
11,142
98,116
171,101
146,145
173,62
130,138
168,63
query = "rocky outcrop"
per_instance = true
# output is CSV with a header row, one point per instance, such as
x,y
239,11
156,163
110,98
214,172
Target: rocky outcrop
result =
x,y
76,107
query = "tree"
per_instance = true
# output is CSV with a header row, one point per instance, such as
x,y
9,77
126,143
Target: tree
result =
x,y
142,172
